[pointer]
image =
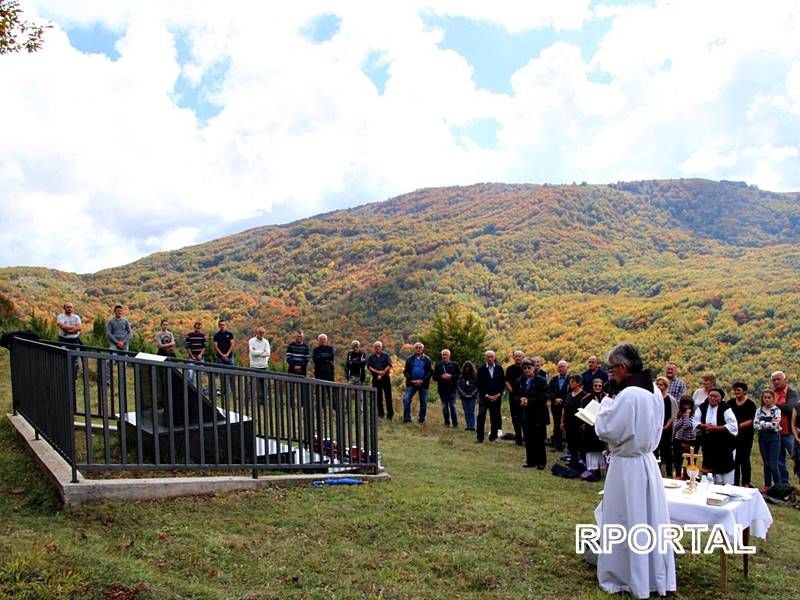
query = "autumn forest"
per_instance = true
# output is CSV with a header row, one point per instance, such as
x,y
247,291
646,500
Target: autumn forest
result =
x,y
701,272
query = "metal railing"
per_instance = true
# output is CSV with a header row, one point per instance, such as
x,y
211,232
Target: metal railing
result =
x,y
120,411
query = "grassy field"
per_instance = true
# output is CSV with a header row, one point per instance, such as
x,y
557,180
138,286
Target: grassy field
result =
x,y
456,520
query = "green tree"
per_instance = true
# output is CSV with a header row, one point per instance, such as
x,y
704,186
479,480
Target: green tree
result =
x,y
42,327
17,34
97,337
464,335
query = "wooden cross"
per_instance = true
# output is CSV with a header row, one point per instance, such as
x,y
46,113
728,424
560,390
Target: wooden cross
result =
x,y
692,457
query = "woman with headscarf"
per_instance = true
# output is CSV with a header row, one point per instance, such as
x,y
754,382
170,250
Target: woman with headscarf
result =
x,y
569,422
716,428
592,447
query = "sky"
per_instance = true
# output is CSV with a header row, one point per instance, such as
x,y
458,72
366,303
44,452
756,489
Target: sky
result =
x,y
144,125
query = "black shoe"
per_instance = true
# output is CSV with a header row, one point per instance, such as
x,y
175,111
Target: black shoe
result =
x,y
540,467
478,441
492,439
527,466
406,420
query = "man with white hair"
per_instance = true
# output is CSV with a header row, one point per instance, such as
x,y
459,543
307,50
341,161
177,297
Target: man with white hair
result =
x,y
418,371
259,349
445,374
557,390
322,356
785,399
491,384
379,364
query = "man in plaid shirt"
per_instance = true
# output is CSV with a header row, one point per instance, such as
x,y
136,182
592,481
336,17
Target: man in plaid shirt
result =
x,y
677,386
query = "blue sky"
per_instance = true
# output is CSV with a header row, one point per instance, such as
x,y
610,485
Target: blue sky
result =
x,y
167,124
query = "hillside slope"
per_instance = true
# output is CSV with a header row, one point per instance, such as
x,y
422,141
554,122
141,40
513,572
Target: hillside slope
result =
x,y
703,272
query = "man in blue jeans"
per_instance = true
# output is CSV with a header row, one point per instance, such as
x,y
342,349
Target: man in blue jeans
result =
x,y
418,371
785,399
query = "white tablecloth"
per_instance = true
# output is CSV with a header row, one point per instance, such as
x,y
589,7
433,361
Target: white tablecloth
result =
x,y
692,508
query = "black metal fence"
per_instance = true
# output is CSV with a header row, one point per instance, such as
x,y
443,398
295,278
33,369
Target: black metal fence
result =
x,y
106,410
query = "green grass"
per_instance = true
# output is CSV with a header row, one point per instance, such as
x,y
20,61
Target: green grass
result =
x,y
456,520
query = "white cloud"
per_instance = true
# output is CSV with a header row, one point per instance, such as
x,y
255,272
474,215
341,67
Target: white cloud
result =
x,y
708,160
709,89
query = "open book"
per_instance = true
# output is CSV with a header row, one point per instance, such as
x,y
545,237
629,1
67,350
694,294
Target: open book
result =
x,y
588,414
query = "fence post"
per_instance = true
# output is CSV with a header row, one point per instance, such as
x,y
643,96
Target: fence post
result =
x,y
70,383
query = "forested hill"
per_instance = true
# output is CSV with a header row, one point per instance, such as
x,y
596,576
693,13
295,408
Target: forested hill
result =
x,y
703,272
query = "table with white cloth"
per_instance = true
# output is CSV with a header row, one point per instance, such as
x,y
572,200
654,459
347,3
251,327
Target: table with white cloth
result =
x,y
747,509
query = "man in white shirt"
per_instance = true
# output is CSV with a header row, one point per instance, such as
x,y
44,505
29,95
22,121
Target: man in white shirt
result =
x,y
69,332
69,326
717,428
259,350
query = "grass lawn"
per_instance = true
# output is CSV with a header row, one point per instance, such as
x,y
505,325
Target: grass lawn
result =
x,y
456,520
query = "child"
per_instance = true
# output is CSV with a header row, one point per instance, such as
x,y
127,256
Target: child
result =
x,y
768,425
684,432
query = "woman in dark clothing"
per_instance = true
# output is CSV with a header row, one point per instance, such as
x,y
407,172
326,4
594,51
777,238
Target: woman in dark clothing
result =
x,y
664,450
592,447
569,422
745,411
597,392
467,388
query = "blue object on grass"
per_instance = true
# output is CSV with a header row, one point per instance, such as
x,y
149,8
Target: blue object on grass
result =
x,y
340,481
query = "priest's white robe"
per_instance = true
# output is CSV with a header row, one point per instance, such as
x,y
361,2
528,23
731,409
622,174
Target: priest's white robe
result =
x,y
634,492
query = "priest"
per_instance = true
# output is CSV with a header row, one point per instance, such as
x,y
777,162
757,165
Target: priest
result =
x,y
633,495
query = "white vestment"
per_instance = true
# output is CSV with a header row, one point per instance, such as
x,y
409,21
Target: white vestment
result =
x,y
634,492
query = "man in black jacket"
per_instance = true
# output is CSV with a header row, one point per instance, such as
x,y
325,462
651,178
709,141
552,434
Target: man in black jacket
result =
x,y
491,384
512,374
322,357
355,365
418,371
557,390
531,389
446,377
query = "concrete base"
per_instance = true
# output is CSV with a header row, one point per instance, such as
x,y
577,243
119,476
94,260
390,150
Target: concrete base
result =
x,y
98,490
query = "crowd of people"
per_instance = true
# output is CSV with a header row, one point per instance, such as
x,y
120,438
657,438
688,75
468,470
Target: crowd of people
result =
x,y
703,422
